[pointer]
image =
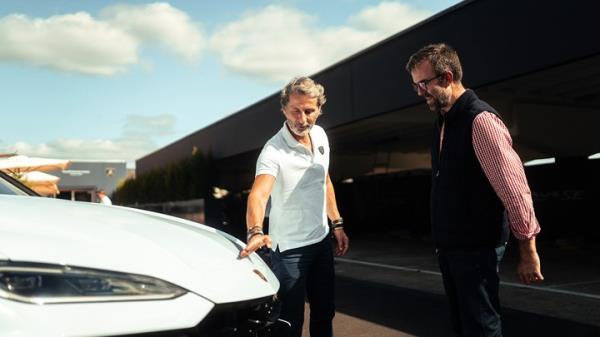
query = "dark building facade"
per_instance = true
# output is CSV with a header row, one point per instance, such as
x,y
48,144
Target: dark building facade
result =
x,y
537,63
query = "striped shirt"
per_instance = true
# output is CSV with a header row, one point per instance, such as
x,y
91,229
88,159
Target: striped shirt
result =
x,y
503,168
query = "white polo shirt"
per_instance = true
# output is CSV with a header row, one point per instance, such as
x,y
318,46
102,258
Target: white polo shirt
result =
x,y
298,215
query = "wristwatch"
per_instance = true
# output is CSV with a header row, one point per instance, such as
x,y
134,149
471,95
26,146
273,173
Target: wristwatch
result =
x,y
254,231
337,223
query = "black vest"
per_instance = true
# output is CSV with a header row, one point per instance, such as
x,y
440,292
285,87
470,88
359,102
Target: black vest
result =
x,y
465,210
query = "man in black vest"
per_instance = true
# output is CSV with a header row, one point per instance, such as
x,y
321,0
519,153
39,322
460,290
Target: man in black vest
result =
x,y
479,190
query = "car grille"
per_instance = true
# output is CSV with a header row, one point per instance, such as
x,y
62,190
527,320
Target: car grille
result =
x,y
254,318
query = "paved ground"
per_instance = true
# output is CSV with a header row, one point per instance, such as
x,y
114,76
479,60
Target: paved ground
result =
x,y
391,288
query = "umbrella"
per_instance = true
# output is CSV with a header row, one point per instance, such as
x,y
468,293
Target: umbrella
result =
x,y
46,190
20,164
43,183
36,177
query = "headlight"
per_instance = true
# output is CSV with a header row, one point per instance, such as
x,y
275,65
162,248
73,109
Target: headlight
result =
x,y
46,284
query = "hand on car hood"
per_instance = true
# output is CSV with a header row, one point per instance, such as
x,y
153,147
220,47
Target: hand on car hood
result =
x,y
192,256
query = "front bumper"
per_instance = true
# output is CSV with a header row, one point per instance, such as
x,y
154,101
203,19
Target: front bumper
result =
x,y
185,316
254,318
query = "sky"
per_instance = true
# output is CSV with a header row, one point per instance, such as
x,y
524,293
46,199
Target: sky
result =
x,y
104,80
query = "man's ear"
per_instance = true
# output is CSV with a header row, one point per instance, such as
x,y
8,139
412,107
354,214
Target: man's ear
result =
x,y
448,78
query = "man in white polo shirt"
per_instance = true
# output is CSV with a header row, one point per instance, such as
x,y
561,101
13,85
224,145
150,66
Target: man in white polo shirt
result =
x,y
292,169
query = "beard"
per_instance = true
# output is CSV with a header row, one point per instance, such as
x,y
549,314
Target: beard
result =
x,y
299,129
437,101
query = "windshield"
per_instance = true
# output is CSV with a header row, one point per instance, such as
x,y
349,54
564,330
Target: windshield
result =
x,y
11,186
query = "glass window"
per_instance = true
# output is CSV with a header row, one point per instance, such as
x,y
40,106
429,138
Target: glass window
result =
x,y
7,187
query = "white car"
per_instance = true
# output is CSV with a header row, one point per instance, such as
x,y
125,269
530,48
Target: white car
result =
x,y
81,269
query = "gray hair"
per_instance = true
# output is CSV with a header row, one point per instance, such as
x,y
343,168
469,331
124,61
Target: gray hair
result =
x,y
304,86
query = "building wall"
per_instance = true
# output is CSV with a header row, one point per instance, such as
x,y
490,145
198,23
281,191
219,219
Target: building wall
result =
x,y
497,40
90,176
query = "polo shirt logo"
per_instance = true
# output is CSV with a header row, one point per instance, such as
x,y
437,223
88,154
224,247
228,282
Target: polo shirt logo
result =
x,y
322,150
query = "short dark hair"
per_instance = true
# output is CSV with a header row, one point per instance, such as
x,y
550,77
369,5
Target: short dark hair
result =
x,y
442,58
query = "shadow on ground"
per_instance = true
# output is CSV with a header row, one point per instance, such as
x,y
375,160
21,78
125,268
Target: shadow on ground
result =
x,y
425,315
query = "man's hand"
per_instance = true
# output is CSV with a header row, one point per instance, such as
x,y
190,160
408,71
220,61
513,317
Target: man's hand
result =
x,y
256,242
342,242
529,269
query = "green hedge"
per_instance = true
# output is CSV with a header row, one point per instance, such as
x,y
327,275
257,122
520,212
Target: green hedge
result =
x,y
186,179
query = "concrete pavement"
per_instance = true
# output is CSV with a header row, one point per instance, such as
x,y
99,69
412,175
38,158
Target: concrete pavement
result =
x,y
391,287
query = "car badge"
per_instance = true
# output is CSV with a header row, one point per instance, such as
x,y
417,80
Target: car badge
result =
x,y
261,275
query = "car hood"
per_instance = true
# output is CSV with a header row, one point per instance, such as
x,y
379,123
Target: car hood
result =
x,y
192,256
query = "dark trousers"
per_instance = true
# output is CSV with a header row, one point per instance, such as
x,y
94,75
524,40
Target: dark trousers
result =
x,y
471,282
306,272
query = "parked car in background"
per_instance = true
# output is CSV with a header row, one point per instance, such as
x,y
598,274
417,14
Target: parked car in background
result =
x,y
82,269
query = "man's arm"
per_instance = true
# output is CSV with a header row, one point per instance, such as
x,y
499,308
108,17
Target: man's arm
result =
x,y
255,213
343,243
503,168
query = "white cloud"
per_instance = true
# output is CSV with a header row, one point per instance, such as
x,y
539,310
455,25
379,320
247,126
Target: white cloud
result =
x,y
159,22
388,17
74,42
83,44
137,140
277,42
267,43
159,125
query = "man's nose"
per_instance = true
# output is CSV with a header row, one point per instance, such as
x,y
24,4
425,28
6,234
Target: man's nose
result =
x,y
302,117
421,91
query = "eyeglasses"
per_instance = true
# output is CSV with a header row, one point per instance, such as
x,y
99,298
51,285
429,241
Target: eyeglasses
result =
x,y
423,84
